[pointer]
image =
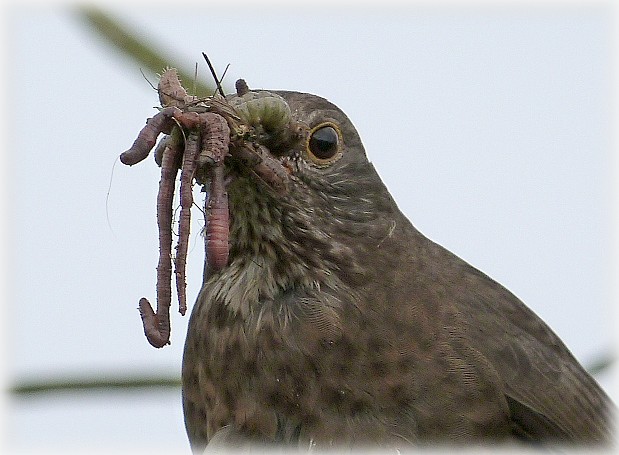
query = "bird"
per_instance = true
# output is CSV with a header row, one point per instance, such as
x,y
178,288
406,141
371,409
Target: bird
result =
x,y
336,323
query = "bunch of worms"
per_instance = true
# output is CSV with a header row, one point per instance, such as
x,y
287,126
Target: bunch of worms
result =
x,y
200,135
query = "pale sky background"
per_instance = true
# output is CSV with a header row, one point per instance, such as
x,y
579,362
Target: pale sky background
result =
x,y
492,127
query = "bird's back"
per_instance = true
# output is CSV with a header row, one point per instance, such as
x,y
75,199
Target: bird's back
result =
x,y
550,395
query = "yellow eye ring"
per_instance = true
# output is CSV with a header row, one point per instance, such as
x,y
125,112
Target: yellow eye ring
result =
x,y
324,144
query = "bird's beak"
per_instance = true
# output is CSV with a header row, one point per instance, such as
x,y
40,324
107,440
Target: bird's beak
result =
x,y
263,137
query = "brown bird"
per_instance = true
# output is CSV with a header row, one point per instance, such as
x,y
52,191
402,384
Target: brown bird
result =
x,y
336,323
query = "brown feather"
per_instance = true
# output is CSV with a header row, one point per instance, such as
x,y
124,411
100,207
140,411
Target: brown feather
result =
x,y
337,323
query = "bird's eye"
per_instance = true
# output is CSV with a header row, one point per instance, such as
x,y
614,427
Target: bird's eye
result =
x,y
323,143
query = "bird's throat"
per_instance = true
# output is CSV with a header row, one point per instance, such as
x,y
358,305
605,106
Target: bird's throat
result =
x,y
268,250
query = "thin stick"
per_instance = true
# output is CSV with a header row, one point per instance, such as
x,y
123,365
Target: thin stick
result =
x,y
210,66
107,197
146,79
224,73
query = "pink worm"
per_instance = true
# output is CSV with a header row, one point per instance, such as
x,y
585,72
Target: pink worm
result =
x,y
217,225
161,122
186,198
157,325
215,142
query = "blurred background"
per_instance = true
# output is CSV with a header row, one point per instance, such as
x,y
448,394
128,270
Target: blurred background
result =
x,y
493,127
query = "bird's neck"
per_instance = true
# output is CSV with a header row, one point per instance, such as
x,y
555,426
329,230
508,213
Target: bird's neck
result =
x,y
303,241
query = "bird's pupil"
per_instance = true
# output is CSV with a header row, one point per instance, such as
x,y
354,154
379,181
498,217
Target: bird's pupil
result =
x,y
323,143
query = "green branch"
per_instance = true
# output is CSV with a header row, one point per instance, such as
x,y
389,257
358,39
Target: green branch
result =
x,y
103,383
137,50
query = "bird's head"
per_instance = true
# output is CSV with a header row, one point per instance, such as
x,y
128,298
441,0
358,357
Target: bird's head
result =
x,y
302,219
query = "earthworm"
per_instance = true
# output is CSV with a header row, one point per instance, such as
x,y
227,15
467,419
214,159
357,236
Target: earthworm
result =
x,y
215,143
215,139
171,92
217,224
266,167
161,122
267,112
271,170
186,195
199,139
262,108
241,87
157,326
